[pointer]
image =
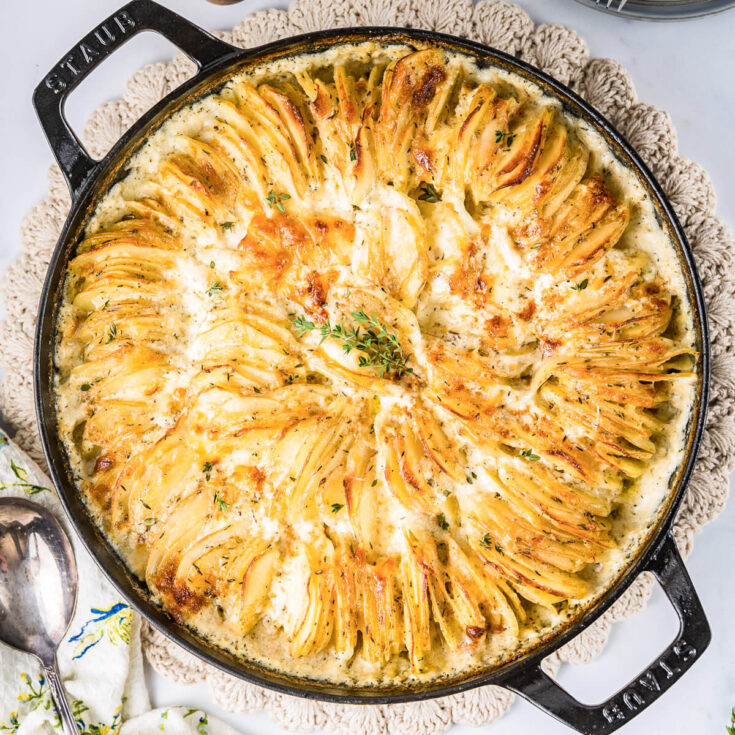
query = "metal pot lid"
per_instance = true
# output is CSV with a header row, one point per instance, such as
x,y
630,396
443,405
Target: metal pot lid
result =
x,y
660,9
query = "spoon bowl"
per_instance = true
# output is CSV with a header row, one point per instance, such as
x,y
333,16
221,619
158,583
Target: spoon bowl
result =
x,y
38,588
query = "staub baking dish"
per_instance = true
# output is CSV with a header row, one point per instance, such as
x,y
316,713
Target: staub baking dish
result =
x,y
89,179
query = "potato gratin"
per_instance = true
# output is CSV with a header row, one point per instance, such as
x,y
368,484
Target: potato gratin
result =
x,y
375,365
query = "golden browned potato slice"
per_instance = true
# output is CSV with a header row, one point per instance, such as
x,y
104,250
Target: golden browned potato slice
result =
x,y
580,231
312,606
414,94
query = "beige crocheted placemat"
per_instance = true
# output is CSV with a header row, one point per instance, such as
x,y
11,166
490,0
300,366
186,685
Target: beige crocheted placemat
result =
x,y
560,52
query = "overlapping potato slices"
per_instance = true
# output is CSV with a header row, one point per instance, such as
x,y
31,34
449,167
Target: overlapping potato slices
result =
x,y
391,246
246,343
201,554
401,603
578,232
122,268
420,461
267,142
342,111
415,92
368,364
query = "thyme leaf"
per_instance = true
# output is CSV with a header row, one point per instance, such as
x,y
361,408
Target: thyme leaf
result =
x,y
303,325
529,454
428,193
276,200
219,501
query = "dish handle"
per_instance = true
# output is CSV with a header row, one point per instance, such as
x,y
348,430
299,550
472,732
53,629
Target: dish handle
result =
x,y
50,95
690,642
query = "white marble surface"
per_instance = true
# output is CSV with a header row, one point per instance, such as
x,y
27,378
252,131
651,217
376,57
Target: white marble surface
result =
x,y
685,68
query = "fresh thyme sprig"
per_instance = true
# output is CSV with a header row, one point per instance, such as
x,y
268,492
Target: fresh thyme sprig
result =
x,y
380,349
731,727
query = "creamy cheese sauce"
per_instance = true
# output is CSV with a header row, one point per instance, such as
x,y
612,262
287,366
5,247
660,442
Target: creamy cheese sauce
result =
x,y
215,258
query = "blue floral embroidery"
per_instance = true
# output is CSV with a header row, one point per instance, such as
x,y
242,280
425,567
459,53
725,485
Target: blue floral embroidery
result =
x,y
202,725
12,725
114,622
112,729
3,439
35,696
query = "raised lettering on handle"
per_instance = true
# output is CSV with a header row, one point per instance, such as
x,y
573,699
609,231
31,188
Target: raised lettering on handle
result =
x,y
81,58
602,719
76,164
648,686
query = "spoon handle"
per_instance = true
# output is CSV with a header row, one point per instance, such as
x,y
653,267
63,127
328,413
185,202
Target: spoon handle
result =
x,y
59,695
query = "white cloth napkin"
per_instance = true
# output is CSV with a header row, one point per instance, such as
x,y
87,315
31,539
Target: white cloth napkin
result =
x,y
100,658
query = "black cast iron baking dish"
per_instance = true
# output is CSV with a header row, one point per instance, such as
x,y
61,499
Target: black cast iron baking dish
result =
x,y
88,179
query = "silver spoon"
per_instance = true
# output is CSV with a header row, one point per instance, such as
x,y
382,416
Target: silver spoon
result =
x,y
38,589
